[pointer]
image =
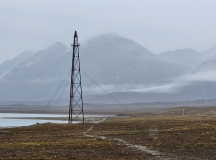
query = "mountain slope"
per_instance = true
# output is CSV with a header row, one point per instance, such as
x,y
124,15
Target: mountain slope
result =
x,y
112,59
108,59
33,68
209,53
31,79
8,65
207,65
186,59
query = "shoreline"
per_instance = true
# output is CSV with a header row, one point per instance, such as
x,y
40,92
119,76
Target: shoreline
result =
x,y
60,112
27,120
160,134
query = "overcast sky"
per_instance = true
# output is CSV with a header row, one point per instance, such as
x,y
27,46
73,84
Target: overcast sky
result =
x,y
158,25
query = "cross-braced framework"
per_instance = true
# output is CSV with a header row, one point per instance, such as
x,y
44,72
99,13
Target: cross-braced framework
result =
x,y
76,102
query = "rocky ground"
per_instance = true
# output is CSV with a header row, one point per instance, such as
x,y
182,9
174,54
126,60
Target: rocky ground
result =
x,y
157,134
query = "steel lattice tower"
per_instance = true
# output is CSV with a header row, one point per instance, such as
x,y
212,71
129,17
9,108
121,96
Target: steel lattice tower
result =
x,y
76,102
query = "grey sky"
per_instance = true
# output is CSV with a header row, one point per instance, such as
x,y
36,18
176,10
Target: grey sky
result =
x,y
157,25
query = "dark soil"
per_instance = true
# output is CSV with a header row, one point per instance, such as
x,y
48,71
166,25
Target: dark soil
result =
x,y
190,136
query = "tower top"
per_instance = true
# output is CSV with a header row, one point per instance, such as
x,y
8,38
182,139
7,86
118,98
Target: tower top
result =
x,y
75,34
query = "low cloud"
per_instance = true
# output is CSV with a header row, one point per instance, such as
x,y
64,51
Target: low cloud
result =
x,y
175,86
206,76
126,88
167,88
44,80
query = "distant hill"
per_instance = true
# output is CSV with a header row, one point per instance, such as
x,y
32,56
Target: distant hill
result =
x,y
33,78
8,65
112,59
108,59
207,65
186,59
34,68
209,53
119,65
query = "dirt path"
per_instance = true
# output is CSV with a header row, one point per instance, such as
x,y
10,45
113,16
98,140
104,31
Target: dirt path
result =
x,y
145,149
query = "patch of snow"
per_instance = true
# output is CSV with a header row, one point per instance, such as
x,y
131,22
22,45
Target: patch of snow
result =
x,y
44,80
192,64
1,76
161,88
28,64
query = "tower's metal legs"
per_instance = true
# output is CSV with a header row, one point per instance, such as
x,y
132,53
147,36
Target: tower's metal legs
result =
x,y
76,102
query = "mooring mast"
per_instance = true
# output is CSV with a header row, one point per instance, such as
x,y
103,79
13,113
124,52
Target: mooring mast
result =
x,y
76,102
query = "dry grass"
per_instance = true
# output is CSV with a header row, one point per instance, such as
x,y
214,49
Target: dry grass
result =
x,y
182,137
59,141
191,137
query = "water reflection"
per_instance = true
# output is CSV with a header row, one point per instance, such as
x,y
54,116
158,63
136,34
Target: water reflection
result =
x,y
9,119
15,119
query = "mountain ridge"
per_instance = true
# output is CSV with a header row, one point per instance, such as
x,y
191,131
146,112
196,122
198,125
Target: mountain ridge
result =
x,y
8,65
113,62
108,59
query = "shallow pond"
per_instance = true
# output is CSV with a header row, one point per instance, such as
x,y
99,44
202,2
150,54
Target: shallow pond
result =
x,y
15,119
